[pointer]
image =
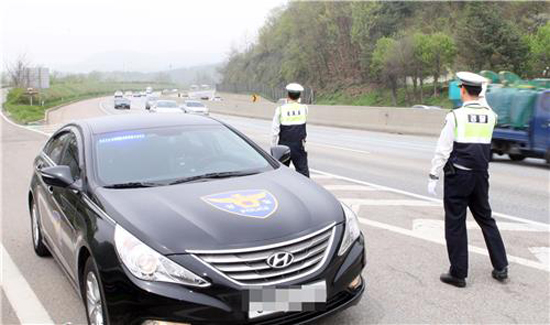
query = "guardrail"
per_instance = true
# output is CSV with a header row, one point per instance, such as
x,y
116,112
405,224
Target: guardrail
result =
x,y
386,119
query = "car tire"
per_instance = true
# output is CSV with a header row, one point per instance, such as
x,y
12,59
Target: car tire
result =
x,y
516,157
37,239
92,294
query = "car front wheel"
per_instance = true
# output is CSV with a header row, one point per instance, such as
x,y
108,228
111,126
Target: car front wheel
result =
x,y
37,240
92,295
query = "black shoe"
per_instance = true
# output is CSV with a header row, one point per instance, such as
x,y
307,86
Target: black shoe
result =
x,y
452,280
501,275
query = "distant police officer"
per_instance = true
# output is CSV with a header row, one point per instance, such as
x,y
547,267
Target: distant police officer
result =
x,y
463,152
289,128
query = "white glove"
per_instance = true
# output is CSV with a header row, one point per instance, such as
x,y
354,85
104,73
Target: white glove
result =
x,y
432,185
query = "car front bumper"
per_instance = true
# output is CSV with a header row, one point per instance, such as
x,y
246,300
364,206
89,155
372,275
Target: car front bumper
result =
x,y
132,301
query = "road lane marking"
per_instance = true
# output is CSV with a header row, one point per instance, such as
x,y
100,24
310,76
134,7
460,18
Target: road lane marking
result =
x,y
104,109
382,202
542,254
441,241
340,187
418,196
432,236
338,147
48,128
22,298
319,176
257,134
439,225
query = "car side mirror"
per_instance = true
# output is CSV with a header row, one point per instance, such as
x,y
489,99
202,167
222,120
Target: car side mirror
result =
x,y
59,176
281,153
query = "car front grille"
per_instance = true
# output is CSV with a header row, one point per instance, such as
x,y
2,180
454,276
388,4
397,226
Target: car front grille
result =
x,y
249,266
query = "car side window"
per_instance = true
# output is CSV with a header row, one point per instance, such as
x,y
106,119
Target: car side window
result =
x,y
70,156
55,146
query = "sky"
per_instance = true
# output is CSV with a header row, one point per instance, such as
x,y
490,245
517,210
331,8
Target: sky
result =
x,y
129,35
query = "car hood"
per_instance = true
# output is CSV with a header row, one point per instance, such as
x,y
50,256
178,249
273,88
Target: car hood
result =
x,y
176,218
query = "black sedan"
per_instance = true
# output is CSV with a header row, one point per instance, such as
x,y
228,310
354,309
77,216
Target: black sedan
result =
x,y
181,219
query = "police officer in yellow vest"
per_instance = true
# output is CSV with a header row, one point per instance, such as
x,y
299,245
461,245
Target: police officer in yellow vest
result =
x,y
289,128
463,152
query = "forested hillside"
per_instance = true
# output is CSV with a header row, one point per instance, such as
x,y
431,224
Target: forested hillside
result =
x,y
391,48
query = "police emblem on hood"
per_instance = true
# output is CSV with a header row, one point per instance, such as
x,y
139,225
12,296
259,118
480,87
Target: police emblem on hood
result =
x,y
247,203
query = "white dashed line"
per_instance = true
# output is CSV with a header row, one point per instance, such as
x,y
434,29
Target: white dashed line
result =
x,y
340,187
22,298
383,202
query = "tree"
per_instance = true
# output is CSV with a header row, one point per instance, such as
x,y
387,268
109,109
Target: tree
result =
x,y
16,71
441,53
421,60
385,65
539,50
487,41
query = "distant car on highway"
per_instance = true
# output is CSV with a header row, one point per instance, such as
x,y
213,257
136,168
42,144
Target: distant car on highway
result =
x,y
166,106
142,93
194,107
150,101
118,94
216,99
136,94
128,94
181,219
122,103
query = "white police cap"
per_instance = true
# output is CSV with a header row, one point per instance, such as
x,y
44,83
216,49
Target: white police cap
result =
x,y
294,87
470,79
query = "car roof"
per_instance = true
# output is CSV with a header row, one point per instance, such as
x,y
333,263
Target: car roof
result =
x,y
125,122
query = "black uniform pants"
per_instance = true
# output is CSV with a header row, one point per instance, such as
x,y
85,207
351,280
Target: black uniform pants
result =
x,y
469,189
298,156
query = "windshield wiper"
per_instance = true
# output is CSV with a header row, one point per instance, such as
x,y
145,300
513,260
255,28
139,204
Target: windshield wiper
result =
x,y
133,185
212,176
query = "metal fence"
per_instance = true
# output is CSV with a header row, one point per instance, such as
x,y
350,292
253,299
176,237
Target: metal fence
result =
x,y
269,93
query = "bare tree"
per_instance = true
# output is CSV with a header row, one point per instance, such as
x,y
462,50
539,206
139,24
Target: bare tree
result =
x,y
16,71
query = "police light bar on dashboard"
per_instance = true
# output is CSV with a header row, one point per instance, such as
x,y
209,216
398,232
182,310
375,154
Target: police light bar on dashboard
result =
x,y
122,138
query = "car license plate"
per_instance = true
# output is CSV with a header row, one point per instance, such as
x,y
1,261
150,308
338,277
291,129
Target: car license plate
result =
x,y
267,301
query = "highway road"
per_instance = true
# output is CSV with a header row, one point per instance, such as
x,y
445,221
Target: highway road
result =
x,y
383,177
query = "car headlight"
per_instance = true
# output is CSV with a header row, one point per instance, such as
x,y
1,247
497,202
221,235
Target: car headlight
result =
x,y
351,229
146,264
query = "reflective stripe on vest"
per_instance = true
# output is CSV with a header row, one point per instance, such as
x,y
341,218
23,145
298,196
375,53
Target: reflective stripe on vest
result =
x,y
474,124
293,114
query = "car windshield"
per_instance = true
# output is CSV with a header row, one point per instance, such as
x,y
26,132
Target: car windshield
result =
x,y
167,104
194,104
172,154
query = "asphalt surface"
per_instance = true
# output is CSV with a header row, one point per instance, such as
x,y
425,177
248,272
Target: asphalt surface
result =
x,y
385,184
